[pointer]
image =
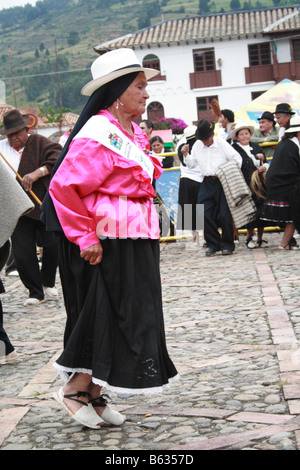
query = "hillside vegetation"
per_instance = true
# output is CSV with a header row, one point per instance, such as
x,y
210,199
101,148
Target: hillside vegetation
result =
x,y
61,34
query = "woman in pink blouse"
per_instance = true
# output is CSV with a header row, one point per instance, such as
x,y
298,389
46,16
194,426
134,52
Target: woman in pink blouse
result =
x,y
103,197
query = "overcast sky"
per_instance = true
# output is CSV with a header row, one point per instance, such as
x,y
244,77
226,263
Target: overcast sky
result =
x,y
15,3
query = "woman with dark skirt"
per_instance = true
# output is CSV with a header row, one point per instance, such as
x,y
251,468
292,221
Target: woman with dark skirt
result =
x,y
253,160
282,203
102,193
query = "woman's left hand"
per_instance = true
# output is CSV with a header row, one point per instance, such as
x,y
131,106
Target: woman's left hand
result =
x,y
93,254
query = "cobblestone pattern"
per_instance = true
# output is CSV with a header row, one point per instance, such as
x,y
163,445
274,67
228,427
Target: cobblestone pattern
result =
x,y
233,330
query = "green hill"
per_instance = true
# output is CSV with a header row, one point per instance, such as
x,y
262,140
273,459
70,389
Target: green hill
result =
x,y
34,41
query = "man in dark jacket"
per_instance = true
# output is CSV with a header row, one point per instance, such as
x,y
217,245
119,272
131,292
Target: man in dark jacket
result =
x,y
33,157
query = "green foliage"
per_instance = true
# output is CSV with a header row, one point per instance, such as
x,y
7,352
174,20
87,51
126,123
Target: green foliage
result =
x,y
52,115
73,38
71,85
149,10
235,5
11,16
43,77
204,7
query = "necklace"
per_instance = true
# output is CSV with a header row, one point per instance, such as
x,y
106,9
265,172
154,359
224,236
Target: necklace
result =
x,y
127,127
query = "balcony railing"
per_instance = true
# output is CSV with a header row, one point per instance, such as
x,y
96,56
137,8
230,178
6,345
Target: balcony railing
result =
x,y
273,72
205,79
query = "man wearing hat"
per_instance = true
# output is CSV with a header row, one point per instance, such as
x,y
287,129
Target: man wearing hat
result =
x,y
267,132
209,153
32,157
283,114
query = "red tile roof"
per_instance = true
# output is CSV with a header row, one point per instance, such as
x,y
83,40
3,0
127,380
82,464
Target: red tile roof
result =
x,y
213,27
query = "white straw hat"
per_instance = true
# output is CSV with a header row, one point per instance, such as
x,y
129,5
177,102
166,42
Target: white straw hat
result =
x,y
189,132
112,65
294,125
239,125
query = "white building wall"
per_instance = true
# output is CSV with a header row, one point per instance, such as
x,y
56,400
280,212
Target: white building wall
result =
x,y
176,61
283,50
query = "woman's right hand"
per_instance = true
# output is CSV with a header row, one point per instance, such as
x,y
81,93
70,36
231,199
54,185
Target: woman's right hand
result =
x,y
93,254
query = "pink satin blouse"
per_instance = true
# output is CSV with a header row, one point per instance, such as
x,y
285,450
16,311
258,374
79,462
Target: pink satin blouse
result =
x,y
98,194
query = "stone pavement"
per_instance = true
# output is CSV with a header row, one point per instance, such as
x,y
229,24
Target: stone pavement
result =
x,y
233,331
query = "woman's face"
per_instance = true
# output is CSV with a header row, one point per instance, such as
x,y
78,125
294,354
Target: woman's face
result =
x,y
243,136
134,98
157,147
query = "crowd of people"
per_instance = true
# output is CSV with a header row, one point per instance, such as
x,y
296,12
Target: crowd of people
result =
x,y
91,211
273,182
271,173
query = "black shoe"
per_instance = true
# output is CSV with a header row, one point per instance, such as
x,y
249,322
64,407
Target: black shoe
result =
x,y
227,252
210,252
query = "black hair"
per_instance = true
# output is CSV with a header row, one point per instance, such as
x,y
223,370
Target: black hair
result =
x,y
156,138
148,123
289,135
102,98
227,113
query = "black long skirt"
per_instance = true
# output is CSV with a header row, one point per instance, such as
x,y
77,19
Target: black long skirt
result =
x,y
115,328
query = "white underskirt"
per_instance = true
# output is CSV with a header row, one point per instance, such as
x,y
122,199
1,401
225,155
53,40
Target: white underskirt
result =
x,y
65,371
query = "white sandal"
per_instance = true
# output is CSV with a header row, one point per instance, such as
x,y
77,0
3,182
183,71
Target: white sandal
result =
x,y
86,415
108,415
13,356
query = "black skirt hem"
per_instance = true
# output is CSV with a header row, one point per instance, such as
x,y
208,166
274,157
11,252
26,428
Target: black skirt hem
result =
x,y
67,372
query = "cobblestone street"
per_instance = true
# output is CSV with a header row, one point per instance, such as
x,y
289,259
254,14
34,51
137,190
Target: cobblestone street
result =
x,y
233,331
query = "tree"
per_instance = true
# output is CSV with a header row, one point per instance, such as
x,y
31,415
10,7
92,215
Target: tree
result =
x,y
144,20
149,11
52,115
235,5
73,38
204,7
